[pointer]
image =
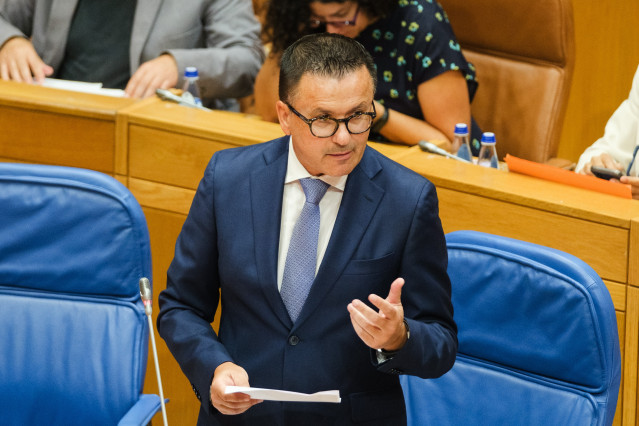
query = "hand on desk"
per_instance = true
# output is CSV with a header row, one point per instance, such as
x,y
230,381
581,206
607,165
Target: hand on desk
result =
x,y
20,62
383,329
229,374
158,73
633,181
603,160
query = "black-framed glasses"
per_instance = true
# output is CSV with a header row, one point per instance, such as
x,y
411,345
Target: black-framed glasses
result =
x,y
325,126
316,23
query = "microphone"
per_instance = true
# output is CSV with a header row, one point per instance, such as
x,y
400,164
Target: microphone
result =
x,y
147,299
167,95
146,295
430,147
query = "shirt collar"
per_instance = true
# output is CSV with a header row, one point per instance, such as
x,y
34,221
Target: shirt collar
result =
x,y
295,171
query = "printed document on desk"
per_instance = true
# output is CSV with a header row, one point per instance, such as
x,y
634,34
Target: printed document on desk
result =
x,y
280,395
81,86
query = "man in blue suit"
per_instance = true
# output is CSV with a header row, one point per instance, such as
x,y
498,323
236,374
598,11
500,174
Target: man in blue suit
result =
x,y
359,325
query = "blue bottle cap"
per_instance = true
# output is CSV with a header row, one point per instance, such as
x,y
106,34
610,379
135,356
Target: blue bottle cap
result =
x,y
190,72
488,137
461,129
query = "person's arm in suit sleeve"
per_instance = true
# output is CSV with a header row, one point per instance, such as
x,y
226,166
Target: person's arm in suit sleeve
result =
x,y
426,297
234,54
18,58
188,305
16,19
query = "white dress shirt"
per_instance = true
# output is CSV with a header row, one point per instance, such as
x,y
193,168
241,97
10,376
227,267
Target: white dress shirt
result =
x,y
293,201
621,134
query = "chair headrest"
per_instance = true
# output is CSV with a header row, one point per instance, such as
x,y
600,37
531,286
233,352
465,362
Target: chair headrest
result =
x,y
70,230
533,308
539,31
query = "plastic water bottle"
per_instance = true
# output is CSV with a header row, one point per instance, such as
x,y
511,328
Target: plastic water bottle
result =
x,y
461,142
488,153
190,89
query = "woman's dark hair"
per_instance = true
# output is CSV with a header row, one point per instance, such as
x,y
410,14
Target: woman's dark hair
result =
x,y
325,55
287,20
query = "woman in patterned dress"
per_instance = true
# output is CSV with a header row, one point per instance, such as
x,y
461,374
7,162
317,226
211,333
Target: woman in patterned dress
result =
x,y
425,85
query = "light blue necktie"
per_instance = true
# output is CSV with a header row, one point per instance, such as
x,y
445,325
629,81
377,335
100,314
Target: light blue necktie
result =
x,y
301,259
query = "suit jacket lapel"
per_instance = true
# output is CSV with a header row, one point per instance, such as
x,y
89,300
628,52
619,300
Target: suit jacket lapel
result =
x,y
267,189
57,31
145,14
359,203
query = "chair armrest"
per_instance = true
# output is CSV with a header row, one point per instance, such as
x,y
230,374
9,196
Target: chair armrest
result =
x,y
142,412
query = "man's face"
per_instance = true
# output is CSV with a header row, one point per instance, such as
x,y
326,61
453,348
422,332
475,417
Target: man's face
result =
x,y
317,96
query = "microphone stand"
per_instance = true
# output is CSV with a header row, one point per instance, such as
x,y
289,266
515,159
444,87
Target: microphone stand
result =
x,y
147,299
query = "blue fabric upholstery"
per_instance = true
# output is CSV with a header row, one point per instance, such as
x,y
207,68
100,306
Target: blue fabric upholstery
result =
x,y
538,341
73,246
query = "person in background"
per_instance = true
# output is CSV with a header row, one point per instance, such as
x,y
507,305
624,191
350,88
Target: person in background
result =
x,y
425,85
294,235
617,148
137,46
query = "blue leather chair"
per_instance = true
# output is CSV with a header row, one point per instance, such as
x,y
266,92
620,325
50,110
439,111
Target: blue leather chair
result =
x,y
538,342
73,246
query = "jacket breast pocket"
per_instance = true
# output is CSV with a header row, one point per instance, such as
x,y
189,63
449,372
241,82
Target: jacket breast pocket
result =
x,y
375,266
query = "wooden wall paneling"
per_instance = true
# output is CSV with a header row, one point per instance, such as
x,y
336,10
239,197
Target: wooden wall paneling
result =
x,y
607,56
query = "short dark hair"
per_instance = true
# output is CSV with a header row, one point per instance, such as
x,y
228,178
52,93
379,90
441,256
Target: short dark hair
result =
x,y
324,54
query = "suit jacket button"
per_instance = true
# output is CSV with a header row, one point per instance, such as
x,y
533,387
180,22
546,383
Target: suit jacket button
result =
x,y
293,340
197,394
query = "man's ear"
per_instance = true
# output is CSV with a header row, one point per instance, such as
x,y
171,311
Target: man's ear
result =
x,y
284,115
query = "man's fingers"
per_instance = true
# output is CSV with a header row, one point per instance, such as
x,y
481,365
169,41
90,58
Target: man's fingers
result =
x,y
234,403
361,314
133,88
236,408
14,72
4,71
388,307
395,293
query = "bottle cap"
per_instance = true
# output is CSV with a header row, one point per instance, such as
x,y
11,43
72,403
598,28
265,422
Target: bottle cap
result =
x,y
488,137
461,129
190,72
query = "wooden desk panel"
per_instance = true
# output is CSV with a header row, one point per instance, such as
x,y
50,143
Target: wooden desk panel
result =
x,y
172,144
50,126
52,138
590,241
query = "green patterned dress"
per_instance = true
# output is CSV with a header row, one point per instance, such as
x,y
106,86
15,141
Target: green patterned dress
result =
x,y
412,45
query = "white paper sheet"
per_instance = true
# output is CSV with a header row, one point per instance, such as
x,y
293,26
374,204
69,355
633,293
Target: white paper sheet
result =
x,y
280,395
81,86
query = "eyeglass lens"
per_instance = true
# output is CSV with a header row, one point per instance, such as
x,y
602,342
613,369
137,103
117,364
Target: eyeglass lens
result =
x,y
325,127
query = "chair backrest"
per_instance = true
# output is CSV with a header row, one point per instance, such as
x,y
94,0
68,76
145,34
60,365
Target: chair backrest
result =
x,y
73,245
538,341
524,54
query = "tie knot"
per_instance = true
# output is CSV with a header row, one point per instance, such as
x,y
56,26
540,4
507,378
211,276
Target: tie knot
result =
x,y
314,189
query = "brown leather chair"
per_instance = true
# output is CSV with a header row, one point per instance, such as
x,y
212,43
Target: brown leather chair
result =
x,y
524,54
